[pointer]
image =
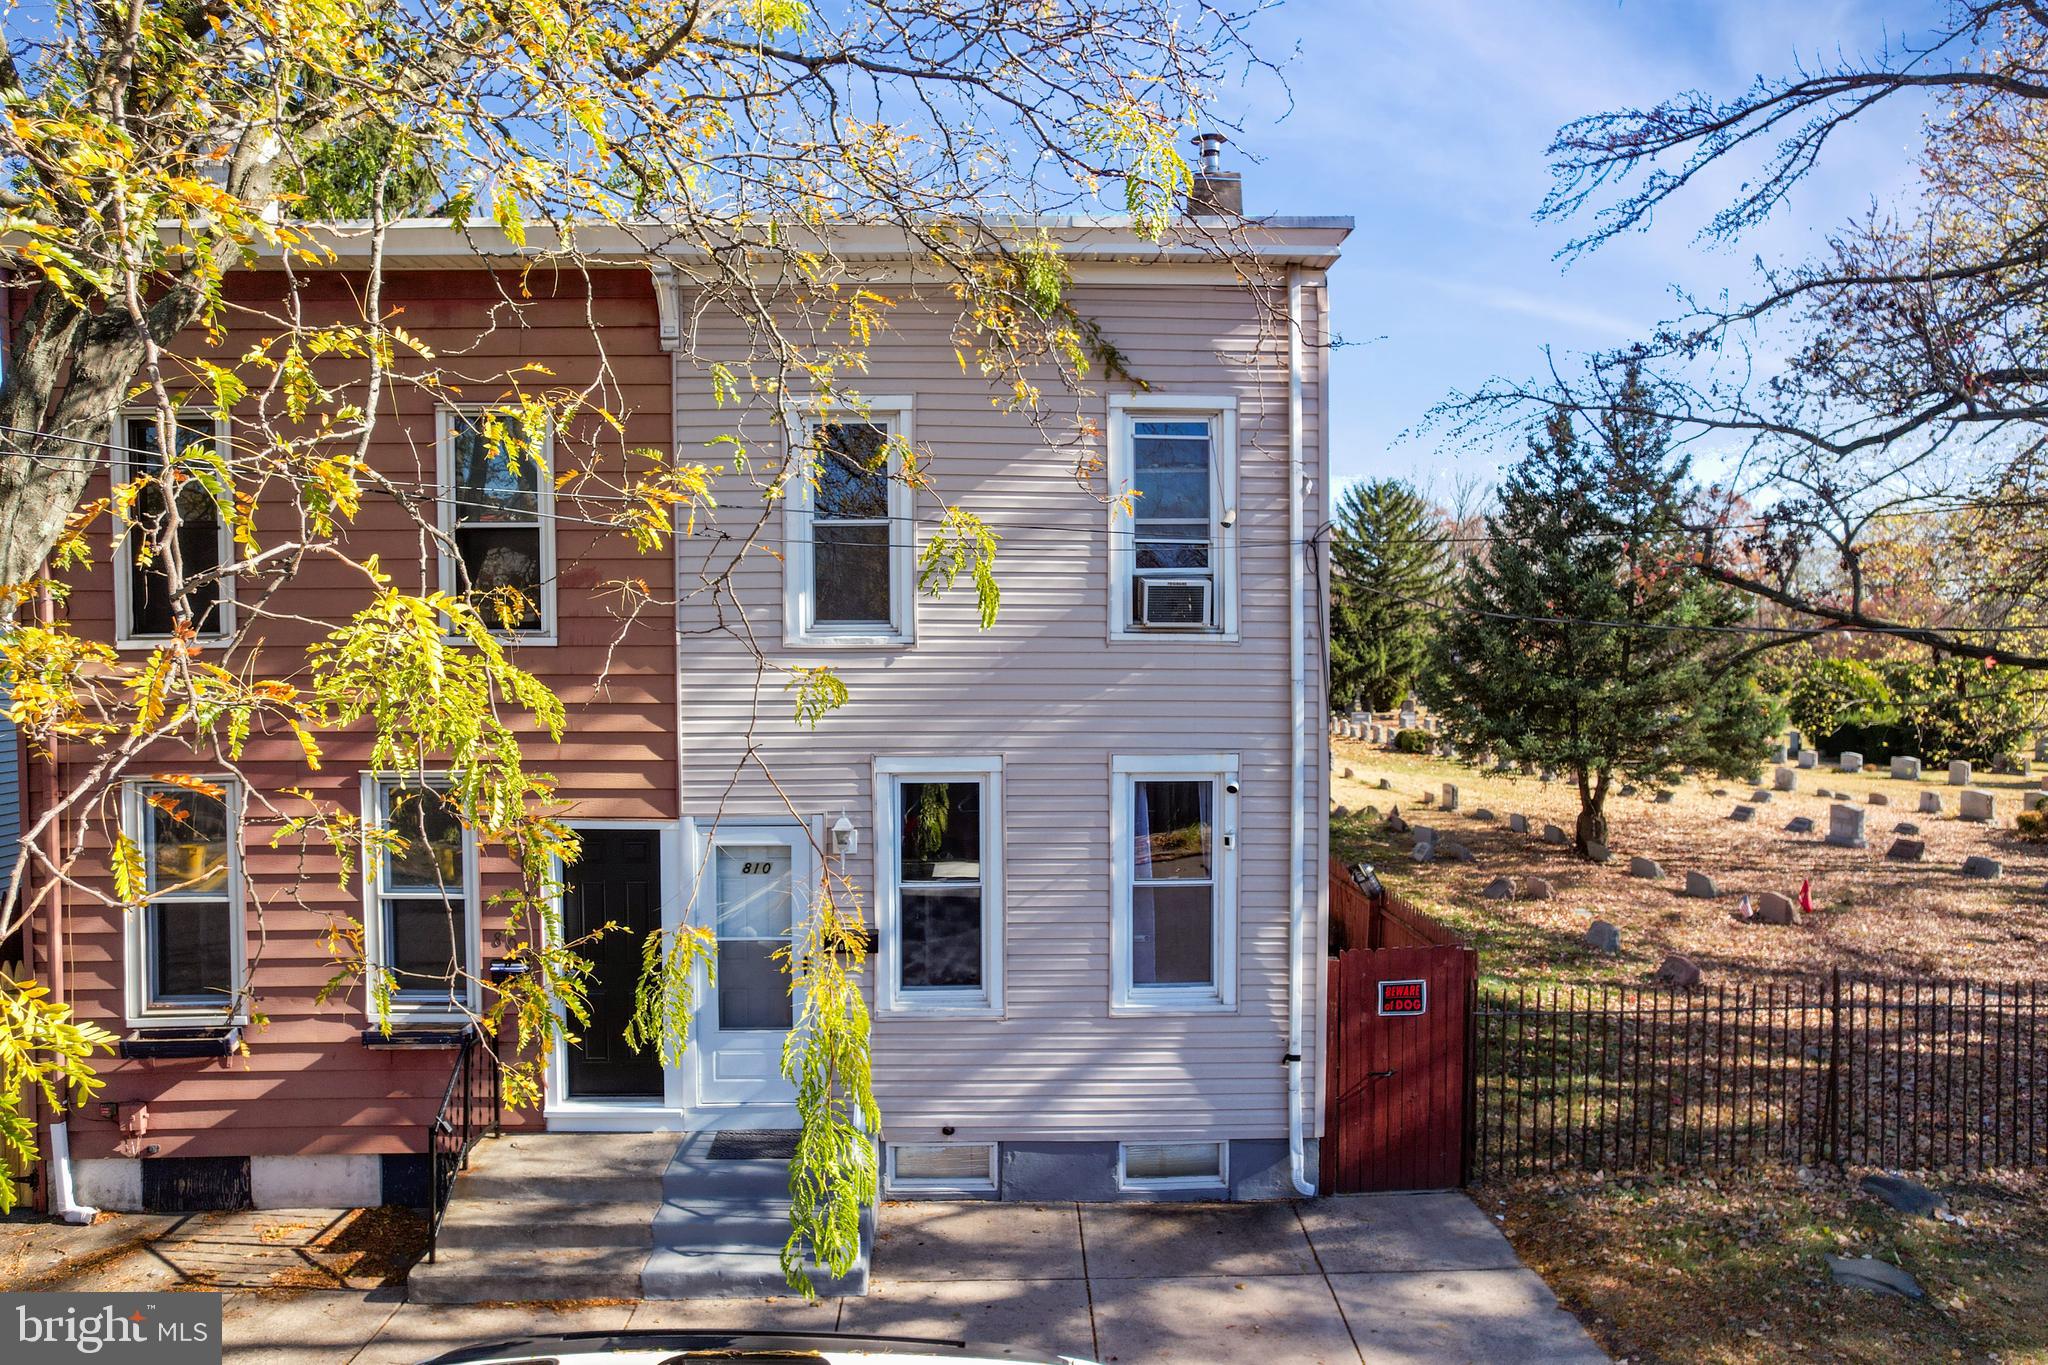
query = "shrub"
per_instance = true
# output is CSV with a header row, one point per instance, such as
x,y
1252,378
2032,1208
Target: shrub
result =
x,y
1414,742
2032,824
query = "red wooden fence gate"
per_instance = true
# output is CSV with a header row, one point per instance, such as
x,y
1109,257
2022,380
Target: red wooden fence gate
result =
x,y
1396,1091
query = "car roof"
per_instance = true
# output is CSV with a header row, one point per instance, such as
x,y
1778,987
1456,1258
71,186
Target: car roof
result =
x,y
828,1345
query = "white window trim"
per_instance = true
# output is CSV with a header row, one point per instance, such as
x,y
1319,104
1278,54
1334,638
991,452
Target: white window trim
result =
x,y
922,1185
224,615
544,503
1123,409
798,503
375,814
987,1002
1219,1181
1221,998
140,1014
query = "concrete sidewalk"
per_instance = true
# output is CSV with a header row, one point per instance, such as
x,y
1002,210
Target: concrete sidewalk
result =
x,y
1368,1278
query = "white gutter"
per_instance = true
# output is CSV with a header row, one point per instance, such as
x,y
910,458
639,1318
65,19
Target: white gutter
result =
x,y
1297,823
63,1200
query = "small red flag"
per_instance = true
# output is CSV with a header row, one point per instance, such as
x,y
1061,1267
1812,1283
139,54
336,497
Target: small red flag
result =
x,y
1806,896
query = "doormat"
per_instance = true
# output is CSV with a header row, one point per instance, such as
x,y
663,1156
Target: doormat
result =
x,y
754,1144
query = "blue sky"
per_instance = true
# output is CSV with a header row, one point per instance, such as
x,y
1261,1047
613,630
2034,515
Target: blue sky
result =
x,y
1427,123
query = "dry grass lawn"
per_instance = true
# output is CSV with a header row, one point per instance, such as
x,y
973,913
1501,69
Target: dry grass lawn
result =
x,y
1871,914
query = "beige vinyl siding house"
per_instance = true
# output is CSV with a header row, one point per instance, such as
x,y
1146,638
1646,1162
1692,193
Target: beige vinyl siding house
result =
x,y
1055,1055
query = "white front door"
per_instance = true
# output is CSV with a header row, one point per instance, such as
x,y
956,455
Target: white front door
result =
x,y
755,894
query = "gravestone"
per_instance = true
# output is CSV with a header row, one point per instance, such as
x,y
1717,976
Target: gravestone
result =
x,y
1809,758
1879,799
1772,908
1350,776
1795,740
1760,797
1450,797
1742,815
1597,852
1553,835
1822,792
1906,769
1799,824
1785,779
1906,850
1930,803
1518,824
2033,800
1500,889
1781,753
1983,869
1457,852
1665,798
1395,823
1483,814
1423,853
1850,763
1538,889
1905,827
1700,886
1959,773
1977,806
1603,937
1845,827
1873,1276
1679,972
1646,868
1907,1196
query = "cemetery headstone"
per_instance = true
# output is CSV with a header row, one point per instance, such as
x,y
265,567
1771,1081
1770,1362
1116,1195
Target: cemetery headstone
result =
x,y
1786,779
1646,868
1450,797
1603,937
1518,824
1879,799
1500,889
1959,773
1799,824
1930,803
1597,851
1742,815
1700,886
1678,972
1906,850
1873,1276
1850,763
1665,798
1905,827
1984,869
1760,796
1845,827
1978,806
1906,769
1538,889
1483,814
1772,908
1553,835
1781,753
1809,758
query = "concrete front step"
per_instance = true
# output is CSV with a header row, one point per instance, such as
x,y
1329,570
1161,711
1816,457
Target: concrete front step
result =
x,y
616,1215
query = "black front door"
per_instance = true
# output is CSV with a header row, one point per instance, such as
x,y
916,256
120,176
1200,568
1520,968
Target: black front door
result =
x,y
616,882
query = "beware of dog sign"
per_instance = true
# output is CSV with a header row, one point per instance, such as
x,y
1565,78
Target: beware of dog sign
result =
x,y
1404,997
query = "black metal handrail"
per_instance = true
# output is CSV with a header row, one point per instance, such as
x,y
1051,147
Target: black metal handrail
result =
x,y
462,1122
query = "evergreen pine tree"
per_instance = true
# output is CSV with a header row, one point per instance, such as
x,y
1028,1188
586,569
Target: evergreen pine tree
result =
x,y
1387,561
1526,663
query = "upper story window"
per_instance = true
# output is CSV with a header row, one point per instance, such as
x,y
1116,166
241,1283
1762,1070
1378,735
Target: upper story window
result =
x,y
203,539
1173,879
497,504
1173,517
422,919
939,893
848,523
185,943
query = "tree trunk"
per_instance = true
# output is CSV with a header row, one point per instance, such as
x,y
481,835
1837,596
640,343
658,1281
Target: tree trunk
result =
x,y
1592,825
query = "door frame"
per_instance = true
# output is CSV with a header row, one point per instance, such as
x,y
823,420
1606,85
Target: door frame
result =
x,y
809,837
563,1113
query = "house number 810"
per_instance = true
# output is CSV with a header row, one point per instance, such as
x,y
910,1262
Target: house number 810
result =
x,y
755,869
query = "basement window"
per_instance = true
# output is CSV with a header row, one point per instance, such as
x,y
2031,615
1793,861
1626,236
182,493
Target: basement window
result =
x,y
1171,1166
942,1166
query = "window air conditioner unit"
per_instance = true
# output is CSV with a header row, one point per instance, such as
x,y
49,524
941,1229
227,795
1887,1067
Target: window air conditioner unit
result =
x,y
1174,603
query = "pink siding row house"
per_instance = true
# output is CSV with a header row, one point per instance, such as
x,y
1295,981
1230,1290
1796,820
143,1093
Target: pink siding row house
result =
x,y
1091,839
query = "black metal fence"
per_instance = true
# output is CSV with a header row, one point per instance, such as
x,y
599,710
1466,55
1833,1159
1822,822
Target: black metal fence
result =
x,y
472,1109
1917,1074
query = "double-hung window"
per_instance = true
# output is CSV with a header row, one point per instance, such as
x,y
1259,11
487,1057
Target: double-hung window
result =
x,y
1172,517
185,943
1173,880
850,547
423,896
142,582
939,873
497,505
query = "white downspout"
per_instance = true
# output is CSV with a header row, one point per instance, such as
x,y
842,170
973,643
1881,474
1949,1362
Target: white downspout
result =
x,y
1297,824
63,1193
